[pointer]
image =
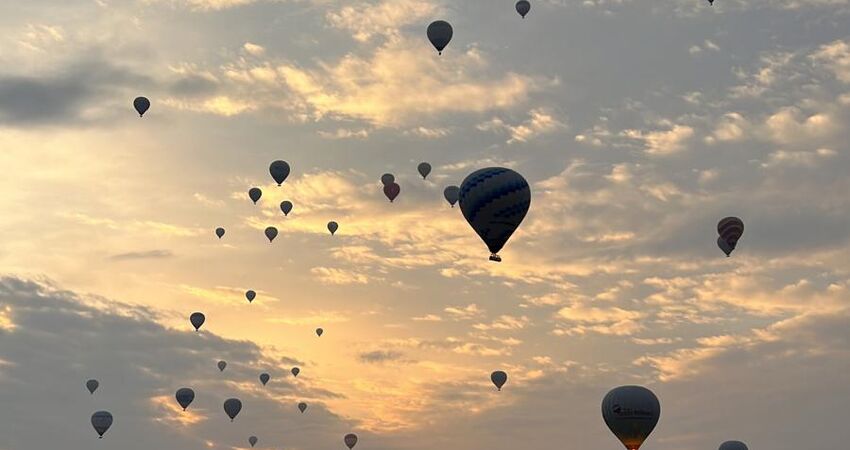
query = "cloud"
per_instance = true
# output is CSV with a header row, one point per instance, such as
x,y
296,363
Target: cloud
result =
x,y
835,56
147,254
331,275
365,20
380,356
540,121
663,142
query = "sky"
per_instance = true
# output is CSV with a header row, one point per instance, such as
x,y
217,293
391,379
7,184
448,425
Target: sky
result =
x,y
637,124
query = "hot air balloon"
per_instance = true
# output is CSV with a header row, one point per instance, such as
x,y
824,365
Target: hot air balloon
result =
x,y
451,194
232,406
92,386
499,378
279,171
350,440
711,2
302,407
631,412
219,232
387,178
523,7
184,397
319,332
271,233
730,230
332,227
494,201
252,440
142,104
101,421
254,194
222,365
197,319
733,445
391,191
286,207
250,295
424,169
440,34
295,371
264,378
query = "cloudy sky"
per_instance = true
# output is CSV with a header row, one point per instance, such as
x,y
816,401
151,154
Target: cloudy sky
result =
x,y
639,124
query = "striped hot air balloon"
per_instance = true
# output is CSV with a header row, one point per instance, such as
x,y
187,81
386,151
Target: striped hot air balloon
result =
x,y
730,230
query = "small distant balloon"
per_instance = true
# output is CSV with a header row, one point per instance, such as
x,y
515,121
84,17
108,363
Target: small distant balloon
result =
x,y
101,421
92,386
499,378
184,397
302,407
350,440
250,295
142,104
733,445
219,232
232,406
424,169
264,378
631,412
252,440
279,171
730,230
451,194
523,7
440,34
286,207
295,371
222,365
387,178
271,233
332,227
197,319
319,332
392,190
254,194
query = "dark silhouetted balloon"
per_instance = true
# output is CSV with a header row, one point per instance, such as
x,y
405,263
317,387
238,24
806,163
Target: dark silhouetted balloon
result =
x,y
197,319
254,194
219,232
92,386
391,191
424,169
387,178
332,227
350,440
264,378
286,207
451,194
440,34
142,104
101,421
279,171
711,2
295,371
494,201
730,230
523,7
302,407
184,397
319,332
252,440
733,445
232,406
271,233
631,412
250,295
499,378
222,365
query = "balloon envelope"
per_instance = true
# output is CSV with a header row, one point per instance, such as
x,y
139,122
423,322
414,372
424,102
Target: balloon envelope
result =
x,y
264,378
727,249
295,371
494,201
302,407
250,295
254,194
279,171
101,421
222,365
232,406
252,440
451,194
197,319
332,227
733,445
440,34
286,207
391,191
730,230
350,440
184,397
319,332
424,169
523,7
499,378
387,178
92,386
142,104
219,232
631,412
271,233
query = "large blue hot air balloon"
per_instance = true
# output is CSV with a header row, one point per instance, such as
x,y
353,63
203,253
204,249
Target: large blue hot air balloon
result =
x,y
494,201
